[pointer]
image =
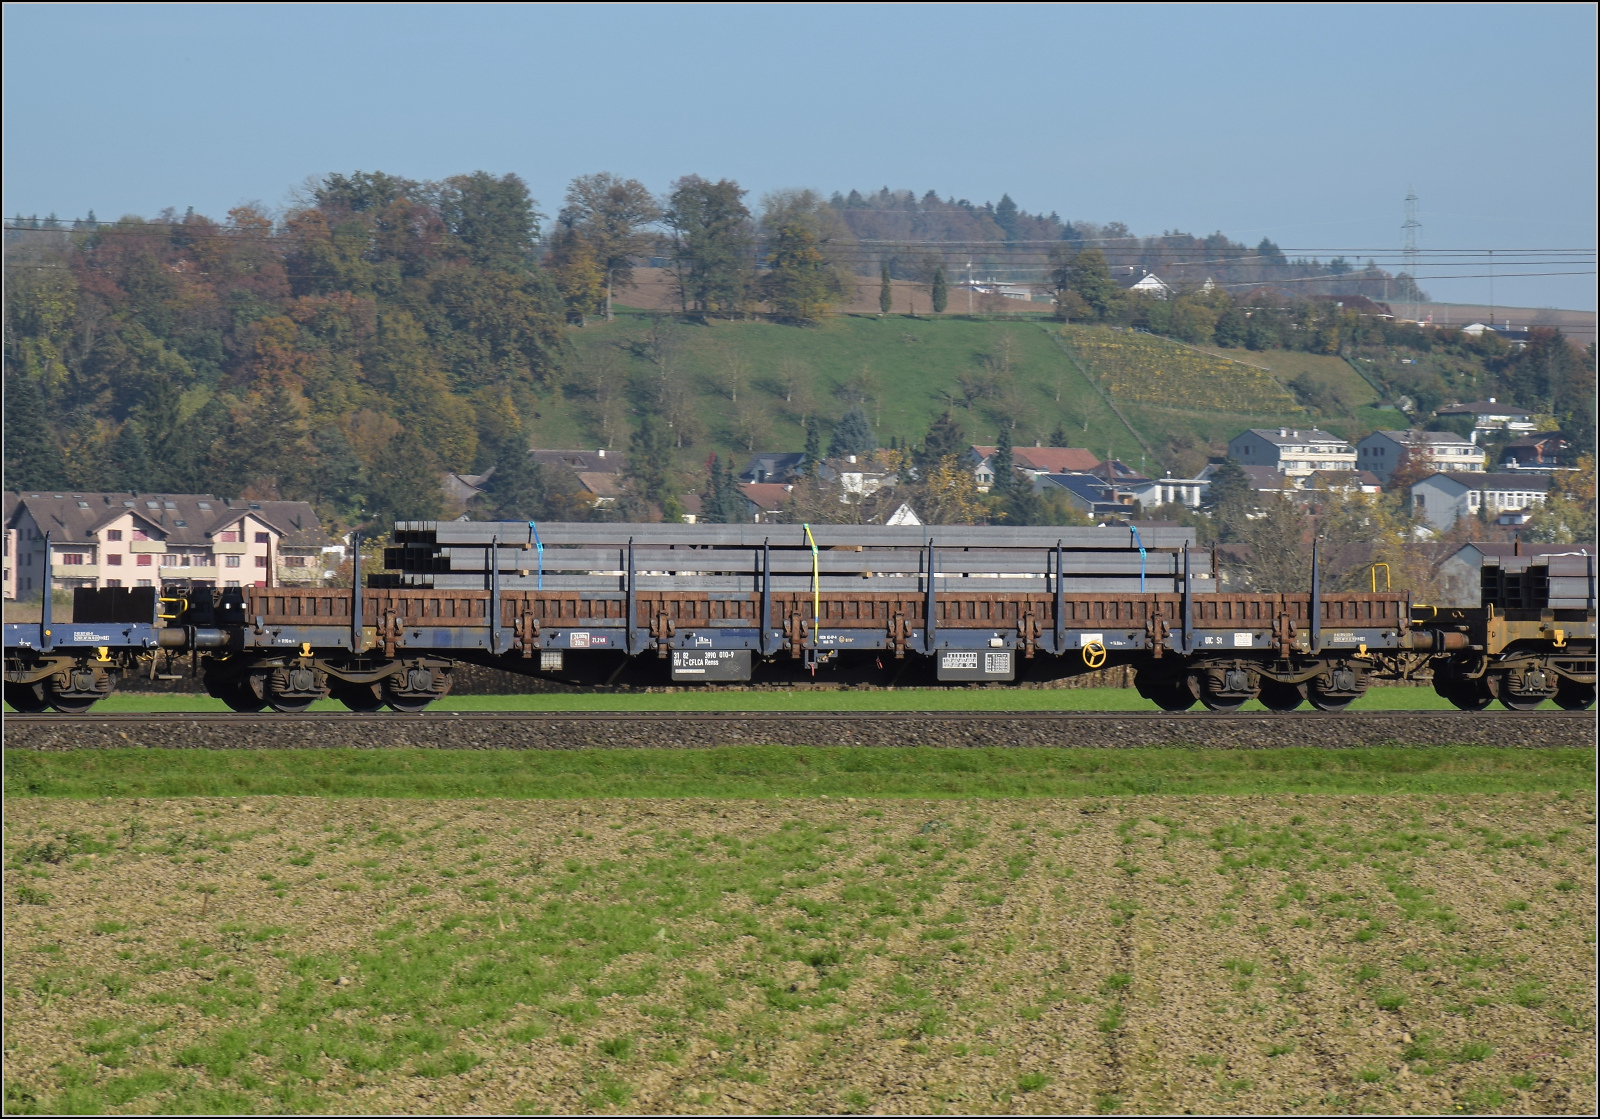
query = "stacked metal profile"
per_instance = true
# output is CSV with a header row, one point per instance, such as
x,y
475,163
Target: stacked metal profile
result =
x,y
1548,582
456,555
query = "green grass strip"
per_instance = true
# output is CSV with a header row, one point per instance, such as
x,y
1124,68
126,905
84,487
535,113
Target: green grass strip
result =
x,y
784,771
900,699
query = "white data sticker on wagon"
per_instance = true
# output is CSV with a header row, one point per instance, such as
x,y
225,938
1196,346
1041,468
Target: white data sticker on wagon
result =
x,y
1243,640
1087,639
578,640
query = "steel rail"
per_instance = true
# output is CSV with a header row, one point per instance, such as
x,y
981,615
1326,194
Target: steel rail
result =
x,y
1197,717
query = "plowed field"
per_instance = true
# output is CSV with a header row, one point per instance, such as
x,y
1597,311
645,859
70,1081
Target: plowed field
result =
x,y
1204,954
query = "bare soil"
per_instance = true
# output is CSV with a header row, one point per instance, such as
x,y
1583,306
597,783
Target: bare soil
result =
x,y
1152,954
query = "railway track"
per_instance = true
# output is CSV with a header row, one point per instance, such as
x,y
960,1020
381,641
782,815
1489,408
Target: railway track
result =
x,y
547,730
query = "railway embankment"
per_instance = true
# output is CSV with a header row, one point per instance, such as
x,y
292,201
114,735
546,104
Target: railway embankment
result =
x,y
704,730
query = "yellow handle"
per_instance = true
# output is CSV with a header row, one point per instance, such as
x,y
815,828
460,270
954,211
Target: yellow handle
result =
x,y
816,579
1387,585
1094,654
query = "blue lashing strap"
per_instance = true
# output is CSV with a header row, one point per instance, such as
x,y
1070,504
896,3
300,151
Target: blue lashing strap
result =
x,y
1140,543
533,530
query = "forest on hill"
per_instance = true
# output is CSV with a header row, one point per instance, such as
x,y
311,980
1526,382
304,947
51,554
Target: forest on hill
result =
x,y
383,331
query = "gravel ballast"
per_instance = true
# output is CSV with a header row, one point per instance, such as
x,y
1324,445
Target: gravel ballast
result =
x,y
680,730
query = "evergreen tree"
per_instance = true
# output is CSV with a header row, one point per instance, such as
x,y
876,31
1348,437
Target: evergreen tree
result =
x,y
405,484
1005,216
32,458
649,460
1058,437
852,435
885,291
944,438
941,292
524,490
1002,462
128,464
798,283
813,446
1230,500
711,500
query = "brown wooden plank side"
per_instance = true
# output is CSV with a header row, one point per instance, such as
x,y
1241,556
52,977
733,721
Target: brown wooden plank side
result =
x,y
422,607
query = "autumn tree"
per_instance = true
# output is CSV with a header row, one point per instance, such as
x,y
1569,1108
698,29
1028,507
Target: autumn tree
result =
x,y
713,244
576,268
495,221
798,283
613,215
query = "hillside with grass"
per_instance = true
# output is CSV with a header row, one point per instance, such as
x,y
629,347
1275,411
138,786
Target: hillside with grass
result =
x,y
732,387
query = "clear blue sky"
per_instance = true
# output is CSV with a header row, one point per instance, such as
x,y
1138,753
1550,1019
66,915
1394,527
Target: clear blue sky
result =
x,y
1305,124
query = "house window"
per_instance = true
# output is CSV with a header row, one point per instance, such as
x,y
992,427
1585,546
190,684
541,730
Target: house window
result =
x,y
113,582
143,583
169,560
114,561
113,534
231,583
144,561
294,561
72,559
229,536
263,538
261,561
230,561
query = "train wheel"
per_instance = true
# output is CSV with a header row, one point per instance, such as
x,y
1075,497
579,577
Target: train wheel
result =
x,y
30,697
1573,696
286,705
72,704
1170,693
1524,690
409,705
1336,688
359,697
1468,695
1277,696
1225,690
241,695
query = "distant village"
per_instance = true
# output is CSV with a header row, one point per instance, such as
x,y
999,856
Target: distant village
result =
x,y
130,539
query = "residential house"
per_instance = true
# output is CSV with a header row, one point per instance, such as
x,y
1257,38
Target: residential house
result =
x,y
904,515
1295,452
1344,481
1083,492
141,540
1491,415
1546,450
1506,498
461,490
764,501
1382,452
1144,281
599,472
1031,463
1153,492
1461,574
693,506
774,466
858,476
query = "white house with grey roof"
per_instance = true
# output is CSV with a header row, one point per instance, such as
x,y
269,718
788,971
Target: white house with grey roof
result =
x,y
1491,415
1295,452
1382,452
141,540
1445,498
